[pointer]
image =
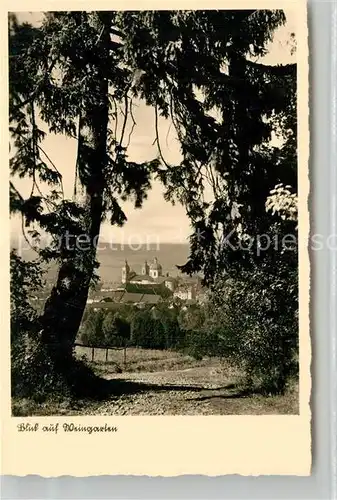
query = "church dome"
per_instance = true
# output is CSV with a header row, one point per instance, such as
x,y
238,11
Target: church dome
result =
x,y
145,269
155,266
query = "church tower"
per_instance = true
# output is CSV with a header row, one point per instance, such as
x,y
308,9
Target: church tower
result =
x,y
125,272
155,269
145,269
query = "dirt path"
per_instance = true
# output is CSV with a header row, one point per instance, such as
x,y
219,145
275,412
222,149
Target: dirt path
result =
x,y
198,390
188,392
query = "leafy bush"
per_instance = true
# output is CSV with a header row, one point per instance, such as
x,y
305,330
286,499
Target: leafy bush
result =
x,y
255,321
147,331
202,342
26,277
33,373
284,202
92,328
31,368
192,317
116,330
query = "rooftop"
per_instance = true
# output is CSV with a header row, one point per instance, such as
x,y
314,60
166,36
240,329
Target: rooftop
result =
x,y
141,277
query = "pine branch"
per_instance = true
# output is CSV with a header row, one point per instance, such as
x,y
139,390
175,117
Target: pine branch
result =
x,y
279,70
37,90
26,101
35,249
55,168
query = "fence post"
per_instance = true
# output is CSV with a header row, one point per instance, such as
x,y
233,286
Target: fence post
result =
x,y
124,358
106,354
92,354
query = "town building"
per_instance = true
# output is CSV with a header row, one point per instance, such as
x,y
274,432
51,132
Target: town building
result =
x,y
148,287
117,298
185,292
151,274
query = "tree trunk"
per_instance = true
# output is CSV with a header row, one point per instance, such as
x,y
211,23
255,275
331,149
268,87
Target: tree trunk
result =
x,y
64,308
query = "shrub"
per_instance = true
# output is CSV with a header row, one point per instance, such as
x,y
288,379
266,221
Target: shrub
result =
x,y
33,373
30,366
146,331
203,342
255,319
92,328
192,317
116,330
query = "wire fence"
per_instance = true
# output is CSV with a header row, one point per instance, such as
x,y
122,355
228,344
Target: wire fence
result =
x,y
100,353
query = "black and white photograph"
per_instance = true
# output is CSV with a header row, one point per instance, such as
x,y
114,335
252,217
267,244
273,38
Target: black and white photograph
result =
x,y
154,260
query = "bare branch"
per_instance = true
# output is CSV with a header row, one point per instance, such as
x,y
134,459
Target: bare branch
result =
x,y
168,132
116,32
35,156
34,148
126,107
100,35
79,144
133,123
157,137
116,118
212,181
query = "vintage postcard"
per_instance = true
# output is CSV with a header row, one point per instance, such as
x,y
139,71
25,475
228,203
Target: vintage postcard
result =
x,y
155,241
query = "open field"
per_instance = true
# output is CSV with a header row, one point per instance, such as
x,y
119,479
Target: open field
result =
x,y
137,359
166,383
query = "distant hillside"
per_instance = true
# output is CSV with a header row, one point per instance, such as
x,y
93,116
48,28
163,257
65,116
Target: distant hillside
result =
x,y
112,259
169,256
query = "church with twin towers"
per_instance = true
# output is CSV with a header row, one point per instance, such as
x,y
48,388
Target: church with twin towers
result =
x,y
150,274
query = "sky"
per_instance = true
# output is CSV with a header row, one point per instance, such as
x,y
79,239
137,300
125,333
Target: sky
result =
x,y
157,221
